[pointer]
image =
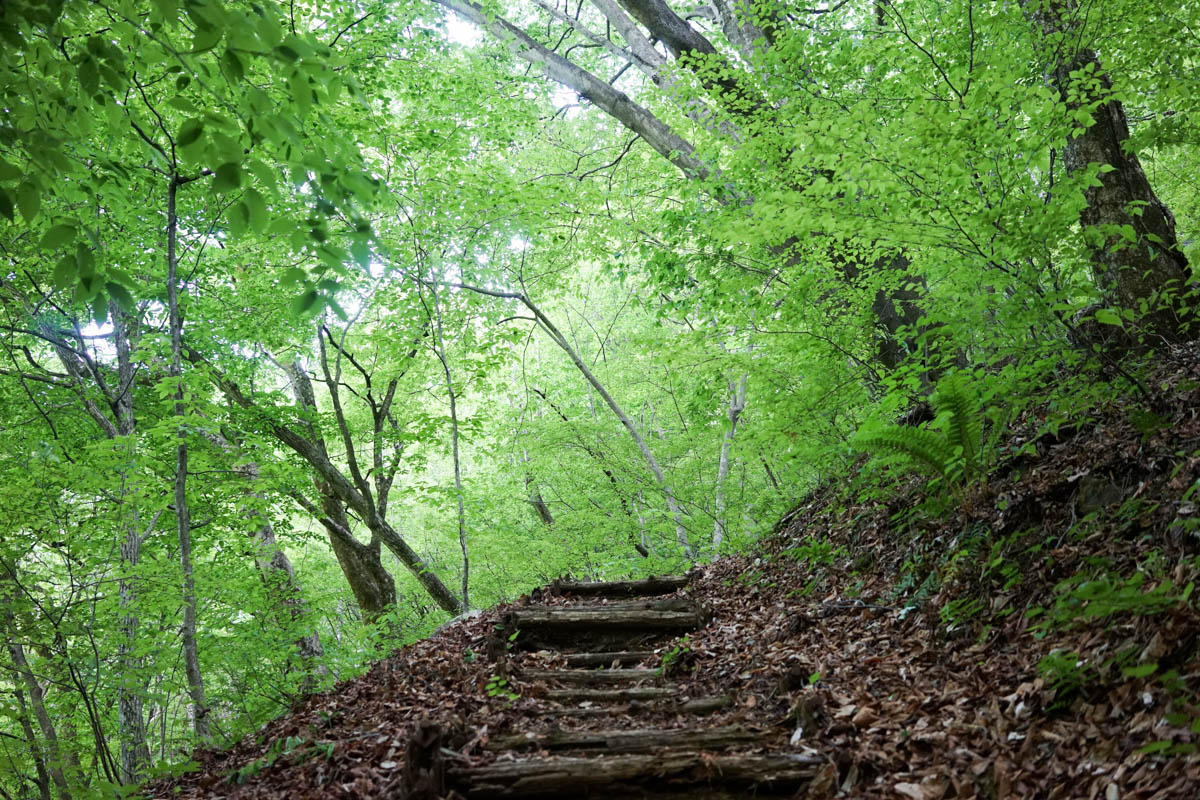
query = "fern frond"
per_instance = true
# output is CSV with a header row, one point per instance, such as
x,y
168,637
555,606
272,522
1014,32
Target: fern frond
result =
x,y
926,447
964,427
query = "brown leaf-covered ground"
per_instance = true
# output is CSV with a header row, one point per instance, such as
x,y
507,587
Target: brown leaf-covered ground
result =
x,y
901,645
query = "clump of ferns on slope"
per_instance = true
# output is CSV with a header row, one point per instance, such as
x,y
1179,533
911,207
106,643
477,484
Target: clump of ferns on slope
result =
x,y
952,447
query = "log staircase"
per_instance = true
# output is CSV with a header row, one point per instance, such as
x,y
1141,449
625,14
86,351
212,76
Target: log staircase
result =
x,y
604,644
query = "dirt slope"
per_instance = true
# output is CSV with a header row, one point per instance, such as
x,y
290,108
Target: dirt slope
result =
x,y
894,652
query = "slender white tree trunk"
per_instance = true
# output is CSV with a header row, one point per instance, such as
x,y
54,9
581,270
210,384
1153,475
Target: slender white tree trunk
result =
x,y
737,404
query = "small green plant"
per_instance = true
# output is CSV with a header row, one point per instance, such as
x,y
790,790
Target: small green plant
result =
x,y
276,750
817,552
952,449
677,658
1087,598
498,686
1067,673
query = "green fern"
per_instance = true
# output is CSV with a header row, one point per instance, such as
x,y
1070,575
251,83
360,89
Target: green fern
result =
x,y
952,449
926,447
959,404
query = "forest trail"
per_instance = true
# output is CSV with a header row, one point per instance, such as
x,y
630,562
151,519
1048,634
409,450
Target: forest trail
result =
x,y
584,660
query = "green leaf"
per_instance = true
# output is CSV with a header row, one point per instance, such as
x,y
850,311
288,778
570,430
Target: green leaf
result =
x,y
29,200
1140,671
183,104
265,174
233,66
301,92
293,276
239,219
119,293
361,252
89,75
8,172
1108,317
6,205
206,39
189,132
65,272
305,302
256,206
59,236
1155,747
85,260
228,178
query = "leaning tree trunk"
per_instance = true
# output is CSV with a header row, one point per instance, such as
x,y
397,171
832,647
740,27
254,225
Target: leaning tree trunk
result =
x,y
1131,232
373,586
51,749
36,753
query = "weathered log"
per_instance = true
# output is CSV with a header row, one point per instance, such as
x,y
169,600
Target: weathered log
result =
x,y
626,741
644,588
699,706
607,659
611,695
579,677
705,705
598,618
616,776
653,604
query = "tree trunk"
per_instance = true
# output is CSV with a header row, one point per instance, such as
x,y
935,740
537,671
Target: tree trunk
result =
x,y
1135,251
54,758
135,751
276,571
35,750
373,586
191,654
458,488
121,428
737,404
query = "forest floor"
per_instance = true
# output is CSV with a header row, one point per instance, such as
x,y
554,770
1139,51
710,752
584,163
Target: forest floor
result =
x,y
1037,639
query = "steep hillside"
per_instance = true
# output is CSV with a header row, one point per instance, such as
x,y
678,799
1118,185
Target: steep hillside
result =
x,y
1034,636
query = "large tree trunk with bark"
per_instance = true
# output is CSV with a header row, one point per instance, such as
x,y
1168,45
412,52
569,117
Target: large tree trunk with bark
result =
x,y
373,586
1131,232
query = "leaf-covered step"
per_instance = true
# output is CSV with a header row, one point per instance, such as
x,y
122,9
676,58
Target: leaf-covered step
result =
x,y
630,741
589,677
628,775
677,603
600,618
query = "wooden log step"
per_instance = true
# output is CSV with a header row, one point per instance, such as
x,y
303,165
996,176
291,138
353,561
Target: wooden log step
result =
x,y
627,741
608,659
638,693
644,588
598,618
622,775
696,707
586,677
654,604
